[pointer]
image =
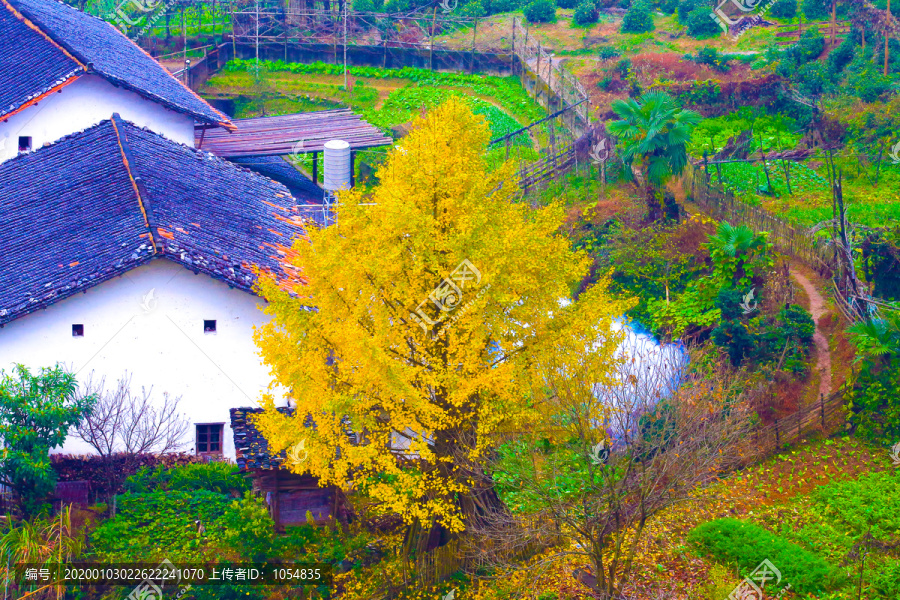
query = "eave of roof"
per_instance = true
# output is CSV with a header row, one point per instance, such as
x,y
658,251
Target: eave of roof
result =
x,y
223,220
33,21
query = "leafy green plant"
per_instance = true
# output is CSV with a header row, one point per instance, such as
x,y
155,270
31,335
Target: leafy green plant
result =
x,y
784,9
36,413
700,23
158,525
247,528
607,52
638,19
47,542
586,13
541,11
739,254
221,477
746,545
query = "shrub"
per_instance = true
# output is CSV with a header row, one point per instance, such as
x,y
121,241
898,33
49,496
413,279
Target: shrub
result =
x,y
812,79
541,11
247,528
841,56
504,6
747,545
158,525
875,408
224,478
586,13
816,9
872,500
566,3
784,9
624,67
887,582
668,6
474,9
685,7
796,322
700,24
638,19
607,52
364,5
869,83
604,83
710,56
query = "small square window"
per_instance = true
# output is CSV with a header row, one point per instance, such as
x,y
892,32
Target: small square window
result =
x,y
78,330
209,326
209,438
24,143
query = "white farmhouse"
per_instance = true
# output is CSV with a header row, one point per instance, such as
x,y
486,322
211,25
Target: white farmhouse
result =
x,y
122,247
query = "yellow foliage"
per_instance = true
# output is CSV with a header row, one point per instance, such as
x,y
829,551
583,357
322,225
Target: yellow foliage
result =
x,y
362,346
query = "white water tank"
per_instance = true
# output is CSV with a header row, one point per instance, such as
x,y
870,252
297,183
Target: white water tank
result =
x,y
337,166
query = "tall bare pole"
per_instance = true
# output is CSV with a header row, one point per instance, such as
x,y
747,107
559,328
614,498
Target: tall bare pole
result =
x,y
345,43
887,39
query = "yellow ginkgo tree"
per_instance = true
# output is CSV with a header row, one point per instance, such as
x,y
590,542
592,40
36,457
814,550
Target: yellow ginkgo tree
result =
x,y
409,330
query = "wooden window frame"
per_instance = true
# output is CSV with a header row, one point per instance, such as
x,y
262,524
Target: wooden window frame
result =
x,y
205,430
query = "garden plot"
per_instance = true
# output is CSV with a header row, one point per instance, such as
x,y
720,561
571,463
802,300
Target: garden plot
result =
x,y
386,98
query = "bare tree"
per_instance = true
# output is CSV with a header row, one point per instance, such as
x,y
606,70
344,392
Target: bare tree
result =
x,y
131,423
621,447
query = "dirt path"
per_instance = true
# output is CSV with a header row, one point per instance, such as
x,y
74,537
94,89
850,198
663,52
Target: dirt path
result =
x,y
823,353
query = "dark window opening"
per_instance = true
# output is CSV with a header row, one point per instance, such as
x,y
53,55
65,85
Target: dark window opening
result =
x,y
78,330
24,143
209,326
209,438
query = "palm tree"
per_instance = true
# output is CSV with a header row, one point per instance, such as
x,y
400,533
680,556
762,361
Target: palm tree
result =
x,y
735,245
653,134
877,338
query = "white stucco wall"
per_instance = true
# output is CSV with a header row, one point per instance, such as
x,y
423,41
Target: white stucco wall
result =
x,y
83,103
158,338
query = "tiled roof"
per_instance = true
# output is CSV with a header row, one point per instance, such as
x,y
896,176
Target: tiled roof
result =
x,y
72,40
30,65
102,201
250,447
279,169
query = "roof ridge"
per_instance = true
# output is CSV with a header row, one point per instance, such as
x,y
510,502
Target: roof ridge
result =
x,y
140,190
30,21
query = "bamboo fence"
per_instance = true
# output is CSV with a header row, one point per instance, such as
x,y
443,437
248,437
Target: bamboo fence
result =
x,y
786,238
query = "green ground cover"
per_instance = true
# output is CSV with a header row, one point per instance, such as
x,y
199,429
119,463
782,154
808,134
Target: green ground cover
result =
x,y
385,98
